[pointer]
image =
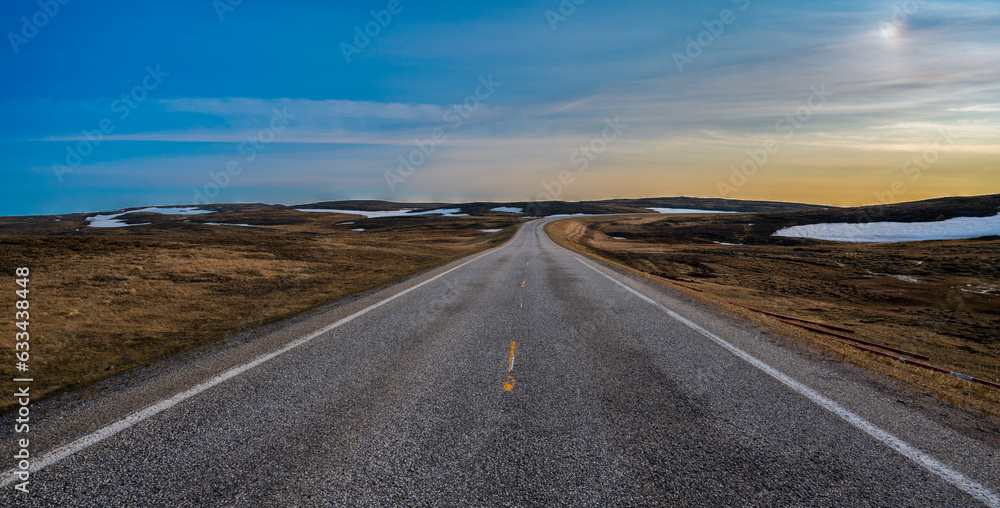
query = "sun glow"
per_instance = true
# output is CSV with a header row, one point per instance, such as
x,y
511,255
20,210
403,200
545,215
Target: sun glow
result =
x,y
891,31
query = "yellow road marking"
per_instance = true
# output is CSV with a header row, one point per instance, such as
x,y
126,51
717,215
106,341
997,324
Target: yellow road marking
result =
x,y
522,283
508,384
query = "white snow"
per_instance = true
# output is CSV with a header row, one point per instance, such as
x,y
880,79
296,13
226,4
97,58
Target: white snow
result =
x,y
368,214
359,229
724,243
489,230
508,209
685,210
112,220
619,238
406,212
977,292
188,210
982,289
226,224
951,229
904,278
445,212
343,223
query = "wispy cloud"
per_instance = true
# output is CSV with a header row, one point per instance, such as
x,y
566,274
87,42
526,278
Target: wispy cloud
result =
x,y
235,119
983,108
240,107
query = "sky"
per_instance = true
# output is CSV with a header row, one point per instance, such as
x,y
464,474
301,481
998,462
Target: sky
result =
x,y
117,104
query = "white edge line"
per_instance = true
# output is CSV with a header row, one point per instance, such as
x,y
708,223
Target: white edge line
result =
x,y
925,460
62,452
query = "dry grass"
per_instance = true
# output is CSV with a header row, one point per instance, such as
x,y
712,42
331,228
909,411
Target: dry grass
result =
x,y
920,297
107,300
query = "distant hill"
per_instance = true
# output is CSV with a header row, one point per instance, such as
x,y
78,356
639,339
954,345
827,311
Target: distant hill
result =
x,y
759,228
548,208
929,210
778,213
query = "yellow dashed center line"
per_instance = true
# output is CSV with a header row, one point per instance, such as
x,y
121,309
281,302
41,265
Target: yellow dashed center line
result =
x,y
508,384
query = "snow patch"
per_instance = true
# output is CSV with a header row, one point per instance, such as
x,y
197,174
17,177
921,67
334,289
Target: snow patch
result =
x,y
444,212
358,229
367,214
112,220
904,278
489,230
187,210
406,212
959,228
226,224
508,209
685,210
982,289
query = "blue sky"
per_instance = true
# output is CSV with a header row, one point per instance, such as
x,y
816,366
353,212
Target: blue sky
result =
x,y
264,89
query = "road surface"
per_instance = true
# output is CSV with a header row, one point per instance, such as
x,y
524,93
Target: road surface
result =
x,y
525,376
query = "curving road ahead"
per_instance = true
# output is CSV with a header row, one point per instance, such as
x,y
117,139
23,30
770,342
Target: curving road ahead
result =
x,y
525,376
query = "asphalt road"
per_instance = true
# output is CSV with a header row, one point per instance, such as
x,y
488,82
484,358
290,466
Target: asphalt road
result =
x,y
522,377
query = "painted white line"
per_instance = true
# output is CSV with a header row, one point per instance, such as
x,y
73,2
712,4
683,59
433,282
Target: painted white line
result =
x,y
60,453
928,462
511,368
